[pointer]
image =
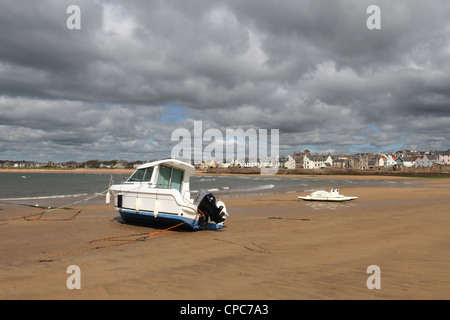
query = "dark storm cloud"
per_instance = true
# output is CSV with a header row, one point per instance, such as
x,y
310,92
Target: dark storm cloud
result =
x,y
309,68
34,35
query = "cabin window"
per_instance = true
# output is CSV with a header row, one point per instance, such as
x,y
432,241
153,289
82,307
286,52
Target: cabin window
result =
x,y
177,178
170,178
141,175
164,177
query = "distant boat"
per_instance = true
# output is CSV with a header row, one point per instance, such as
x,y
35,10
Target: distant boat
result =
x,y
322,195
158,193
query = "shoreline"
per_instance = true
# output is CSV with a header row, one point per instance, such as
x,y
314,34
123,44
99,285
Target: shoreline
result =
x,y
374,176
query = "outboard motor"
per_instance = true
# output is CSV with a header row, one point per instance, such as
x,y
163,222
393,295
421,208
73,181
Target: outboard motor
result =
x,y
207,205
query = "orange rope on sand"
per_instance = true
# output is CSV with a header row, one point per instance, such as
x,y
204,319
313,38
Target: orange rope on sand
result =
x,y
123,242
24,218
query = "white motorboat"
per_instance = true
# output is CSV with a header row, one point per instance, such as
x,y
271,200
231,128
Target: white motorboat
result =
x,y
158,193
322,195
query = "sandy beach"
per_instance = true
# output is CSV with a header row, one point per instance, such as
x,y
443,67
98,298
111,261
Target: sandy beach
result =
x,y
273,247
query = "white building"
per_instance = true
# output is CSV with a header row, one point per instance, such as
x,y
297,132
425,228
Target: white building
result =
x,y
408,162
287,162
317,162
390,162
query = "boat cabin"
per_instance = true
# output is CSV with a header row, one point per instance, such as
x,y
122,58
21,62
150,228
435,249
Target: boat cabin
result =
x,y
165,174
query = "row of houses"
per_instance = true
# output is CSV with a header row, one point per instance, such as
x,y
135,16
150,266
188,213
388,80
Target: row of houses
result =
x,y
248,163
364,161
114,164
23,164
301,160
370,161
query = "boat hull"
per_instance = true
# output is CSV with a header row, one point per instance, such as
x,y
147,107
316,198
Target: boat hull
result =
x,y
164,220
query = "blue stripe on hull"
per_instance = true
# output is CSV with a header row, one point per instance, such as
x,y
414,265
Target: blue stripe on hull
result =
x,y
146,217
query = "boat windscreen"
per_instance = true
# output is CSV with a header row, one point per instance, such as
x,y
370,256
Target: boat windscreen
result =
x,y
142,175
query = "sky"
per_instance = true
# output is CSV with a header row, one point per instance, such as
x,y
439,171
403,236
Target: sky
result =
x,y
138,70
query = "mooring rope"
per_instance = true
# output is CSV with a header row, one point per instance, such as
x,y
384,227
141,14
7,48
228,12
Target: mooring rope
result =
x,y
144,237
41,214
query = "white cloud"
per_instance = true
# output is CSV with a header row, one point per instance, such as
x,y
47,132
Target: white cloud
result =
x,y
116,21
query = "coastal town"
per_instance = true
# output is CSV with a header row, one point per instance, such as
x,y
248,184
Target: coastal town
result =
x,y
299,162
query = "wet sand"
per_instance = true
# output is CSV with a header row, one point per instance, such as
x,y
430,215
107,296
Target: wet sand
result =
x,y
273,247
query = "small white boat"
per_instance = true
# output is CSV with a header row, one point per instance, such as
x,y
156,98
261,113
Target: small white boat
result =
x,y
158,193
322,195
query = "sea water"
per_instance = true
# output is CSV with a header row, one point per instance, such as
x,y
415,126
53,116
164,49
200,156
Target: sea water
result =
x,y
48,185
26,186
